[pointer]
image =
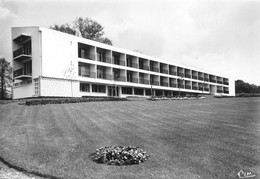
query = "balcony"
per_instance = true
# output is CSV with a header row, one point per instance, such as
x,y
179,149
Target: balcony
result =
x,y
206,89
200,78
20,74
89,75
132,80
144,81
206,79
164,84
174,85
21,54
154,69
219,91
219,82
21,38
200,89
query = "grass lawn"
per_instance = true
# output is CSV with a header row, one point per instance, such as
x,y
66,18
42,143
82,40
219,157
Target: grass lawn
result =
x,y
211,138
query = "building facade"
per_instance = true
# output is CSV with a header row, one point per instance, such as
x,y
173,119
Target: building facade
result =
x,y
51,63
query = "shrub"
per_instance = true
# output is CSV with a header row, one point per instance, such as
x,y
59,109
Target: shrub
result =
x,y
119,155
43,101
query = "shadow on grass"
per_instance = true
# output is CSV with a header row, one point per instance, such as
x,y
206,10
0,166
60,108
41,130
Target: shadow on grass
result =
x,y
20,169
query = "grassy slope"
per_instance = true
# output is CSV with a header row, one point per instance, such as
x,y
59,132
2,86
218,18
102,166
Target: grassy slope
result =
x,y
186,139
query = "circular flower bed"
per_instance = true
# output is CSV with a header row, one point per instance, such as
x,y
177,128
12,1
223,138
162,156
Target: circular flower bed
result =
x,y
119,155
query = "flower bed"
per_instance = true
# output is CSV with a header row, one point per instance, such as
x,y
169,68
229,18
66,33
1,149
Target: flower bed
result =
x,y
44,101
119,155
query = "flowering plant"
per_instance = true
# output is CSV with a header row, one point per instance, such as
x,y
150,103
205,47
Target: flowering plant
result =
x,y
119,155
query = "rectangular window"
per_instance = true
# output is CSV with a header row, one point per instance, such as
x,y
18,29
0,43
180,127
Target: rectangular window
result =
x,y
98,88
126,90
138,91
148,92
84,87
36,86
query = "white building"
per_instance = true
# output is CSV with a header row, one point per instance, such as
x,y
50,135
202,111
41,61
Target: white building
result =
x,y
42,59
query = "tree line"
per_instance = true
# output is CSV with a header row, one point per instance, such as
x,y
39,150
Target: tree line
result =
x,y
244,87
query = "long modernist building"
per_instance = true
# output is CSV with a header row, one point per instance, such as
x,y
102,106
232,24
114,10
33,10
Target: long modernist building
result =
x,y
51,63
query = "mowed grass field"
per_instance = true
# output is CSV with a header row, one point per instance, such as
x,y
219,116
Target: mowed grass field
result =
x,y
211,138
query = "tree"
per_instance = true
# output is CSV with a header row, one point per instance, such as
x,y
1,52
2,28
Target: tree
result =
x,y
5,78
86,28
69,73
243,87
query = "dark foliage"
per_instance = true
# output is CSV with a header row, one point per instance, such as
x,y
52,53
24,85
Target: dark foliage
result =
x,y
44,101
86,28
243,87
119,155
5,78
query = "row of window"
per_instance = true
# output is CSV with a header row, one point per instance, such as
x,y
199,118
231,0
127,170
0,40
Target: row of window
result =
x,y
103,55
84,87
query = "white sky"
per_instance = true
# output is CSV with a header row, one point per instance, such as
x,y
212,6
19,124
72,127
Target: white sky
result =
x,y
217,36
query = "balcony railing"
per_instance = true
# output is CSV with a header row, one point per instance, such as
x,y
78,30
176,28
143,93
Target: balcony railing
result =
x,y
180,74
133,65
156,83
104,59
22,52
132,80
116,62
180,86
144,67
187,75
164,84
201,88
212,80
164,71
200,78
154,69
226,91
89,75
104,76
194,87
144,81
20,74
120,78
206,89
194,77
187,87
89,56
174,85
219,82
225,83
206,79
220,91
173,73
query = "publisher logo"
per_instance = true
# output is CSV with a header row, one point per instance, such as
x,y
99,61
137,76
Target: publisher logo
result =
x,y
245,174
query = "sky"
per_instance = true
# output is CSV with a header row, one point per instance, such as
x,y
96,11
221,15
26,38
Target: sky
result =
x,y
216,36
